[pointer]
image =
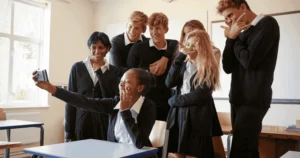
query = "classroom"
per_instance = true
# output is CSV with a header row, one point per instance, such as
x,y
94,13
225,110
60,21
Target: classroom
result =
x,y
59,36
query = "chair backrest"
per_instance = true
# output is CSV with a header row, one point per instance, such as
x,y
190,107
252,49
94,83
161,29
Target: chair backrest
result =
x,y
2,115
157,135
224,118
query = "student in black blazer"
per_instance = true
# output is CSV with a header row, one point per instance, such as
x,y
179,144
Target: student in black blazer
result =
x,y
80,124
250,56
147,54
131,116
192,119
121,44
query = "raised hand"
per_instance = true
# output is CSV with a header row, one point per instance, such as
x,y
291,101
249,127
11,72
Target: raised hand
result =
x,y
235,29
43,85
126,100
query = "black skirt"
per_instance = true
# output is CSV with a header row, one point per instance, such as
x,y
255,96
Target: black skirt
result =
x,y
185,141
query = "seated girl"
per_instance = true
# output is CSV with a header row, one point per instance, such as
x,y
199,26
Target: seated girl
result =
x,y
131,116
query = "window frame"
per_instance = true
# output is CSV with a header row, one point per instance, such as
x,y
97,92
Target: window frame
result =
x,y
43,43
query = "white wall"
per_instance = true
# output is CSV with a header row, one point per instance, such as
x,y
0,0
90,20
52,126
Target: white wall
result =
x,y
71,25
116,11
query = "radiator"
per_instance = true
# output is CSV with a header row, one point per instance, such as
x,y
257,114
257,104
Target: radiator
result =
x,y
25,135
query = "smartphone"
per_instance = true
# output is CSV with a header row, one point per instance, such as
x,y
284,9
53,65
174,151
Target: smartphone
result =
x,y
42,75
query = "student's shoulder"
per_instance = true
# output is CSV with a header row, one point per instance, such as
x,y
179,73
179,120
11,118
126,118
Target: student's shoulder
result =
x,y
148,103
270,20
172,42
140,45
118,38
78,64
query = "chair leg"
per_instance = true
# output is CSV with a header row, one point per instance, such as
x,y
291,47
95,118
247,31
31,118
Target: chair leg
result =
x,y
228,145
165,147
7,150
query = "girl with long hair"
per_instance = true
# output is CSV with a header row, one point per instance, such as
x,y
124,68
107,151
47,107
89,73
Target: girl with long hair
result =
x,y
193,120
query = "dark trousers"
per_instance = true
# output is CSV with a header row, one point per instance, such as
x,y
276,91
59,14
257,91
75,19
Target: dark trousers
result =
x,y
246,127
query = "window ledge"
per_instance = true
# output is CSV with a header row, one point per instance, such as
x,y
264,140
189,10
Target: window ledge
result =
x,y
25,107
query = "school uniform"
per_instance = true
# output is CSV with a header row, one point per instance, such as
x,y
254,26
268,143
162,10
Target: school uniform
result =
x,y
143,54
131,126
81,124
120,49
251,60
192,119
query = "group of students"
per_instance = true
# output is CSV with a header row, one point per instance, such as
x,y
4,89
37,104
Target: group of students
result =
x,y
120,100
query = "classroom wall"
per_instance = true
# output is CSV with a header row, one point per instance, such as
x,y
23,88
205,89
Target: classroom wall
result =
x,y
116,11
71,25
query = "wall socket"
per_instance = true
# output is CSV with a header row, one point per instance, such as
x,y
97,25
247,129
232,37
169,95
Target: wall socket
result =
x,y
297,123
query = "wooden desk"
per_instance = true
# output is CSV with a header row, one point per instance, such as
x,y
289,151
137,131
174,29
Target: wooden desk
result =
x,y
274,140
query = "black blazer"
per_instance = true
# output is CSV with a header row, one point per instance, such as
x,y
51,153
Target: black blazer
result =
x,y
80,122
198,103
139,132
119,52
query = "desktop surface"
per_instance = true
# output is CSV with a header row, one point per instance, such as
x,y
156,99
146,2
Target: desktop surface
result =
x,y
90,148
10,124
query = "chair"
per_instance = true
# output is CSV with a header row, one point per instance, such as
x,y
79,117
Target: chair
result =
x,y
7,144
218,147
159,136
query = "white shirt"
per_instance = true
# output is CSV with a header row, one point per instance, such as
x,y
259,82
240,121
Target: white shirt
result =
x,y
89,67
188,73
121,133
127,41
152,44
257,19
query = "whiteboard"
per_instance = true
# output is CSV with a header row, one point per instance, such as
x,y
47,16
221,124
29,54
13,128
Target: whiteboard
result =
x,y
286,84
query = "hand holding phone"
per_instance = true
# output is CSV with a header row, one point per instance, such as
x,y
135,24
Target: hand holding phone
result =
x,y
42,75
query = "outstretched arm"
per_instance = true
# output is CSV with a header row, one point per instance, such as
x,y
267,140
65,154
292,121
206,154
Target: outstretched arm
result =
x,y
104,105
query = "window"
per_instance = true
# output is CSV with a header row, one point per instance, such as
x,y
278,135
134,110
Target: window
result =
x,y
24,47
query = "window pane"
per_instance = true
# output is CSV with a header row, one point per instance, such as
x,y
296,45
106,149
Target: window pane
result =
x,y
4,69
27,20
25,61
7,21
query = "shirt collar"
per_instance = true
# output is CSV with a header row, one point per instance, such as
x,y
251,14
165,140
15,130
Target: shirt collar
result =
x,y
152,44
103,68
127,41
136,106
257,19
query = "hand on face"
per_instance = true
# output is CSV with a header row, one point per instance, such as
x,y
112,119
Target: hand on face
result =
x,y
43,85
235,29
159,67
126,100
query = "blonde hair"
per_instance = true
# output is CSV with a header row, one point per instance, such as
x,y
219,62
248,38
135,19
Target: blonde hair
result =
x,y
139,17
194,24
157,19
225,4
207,66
